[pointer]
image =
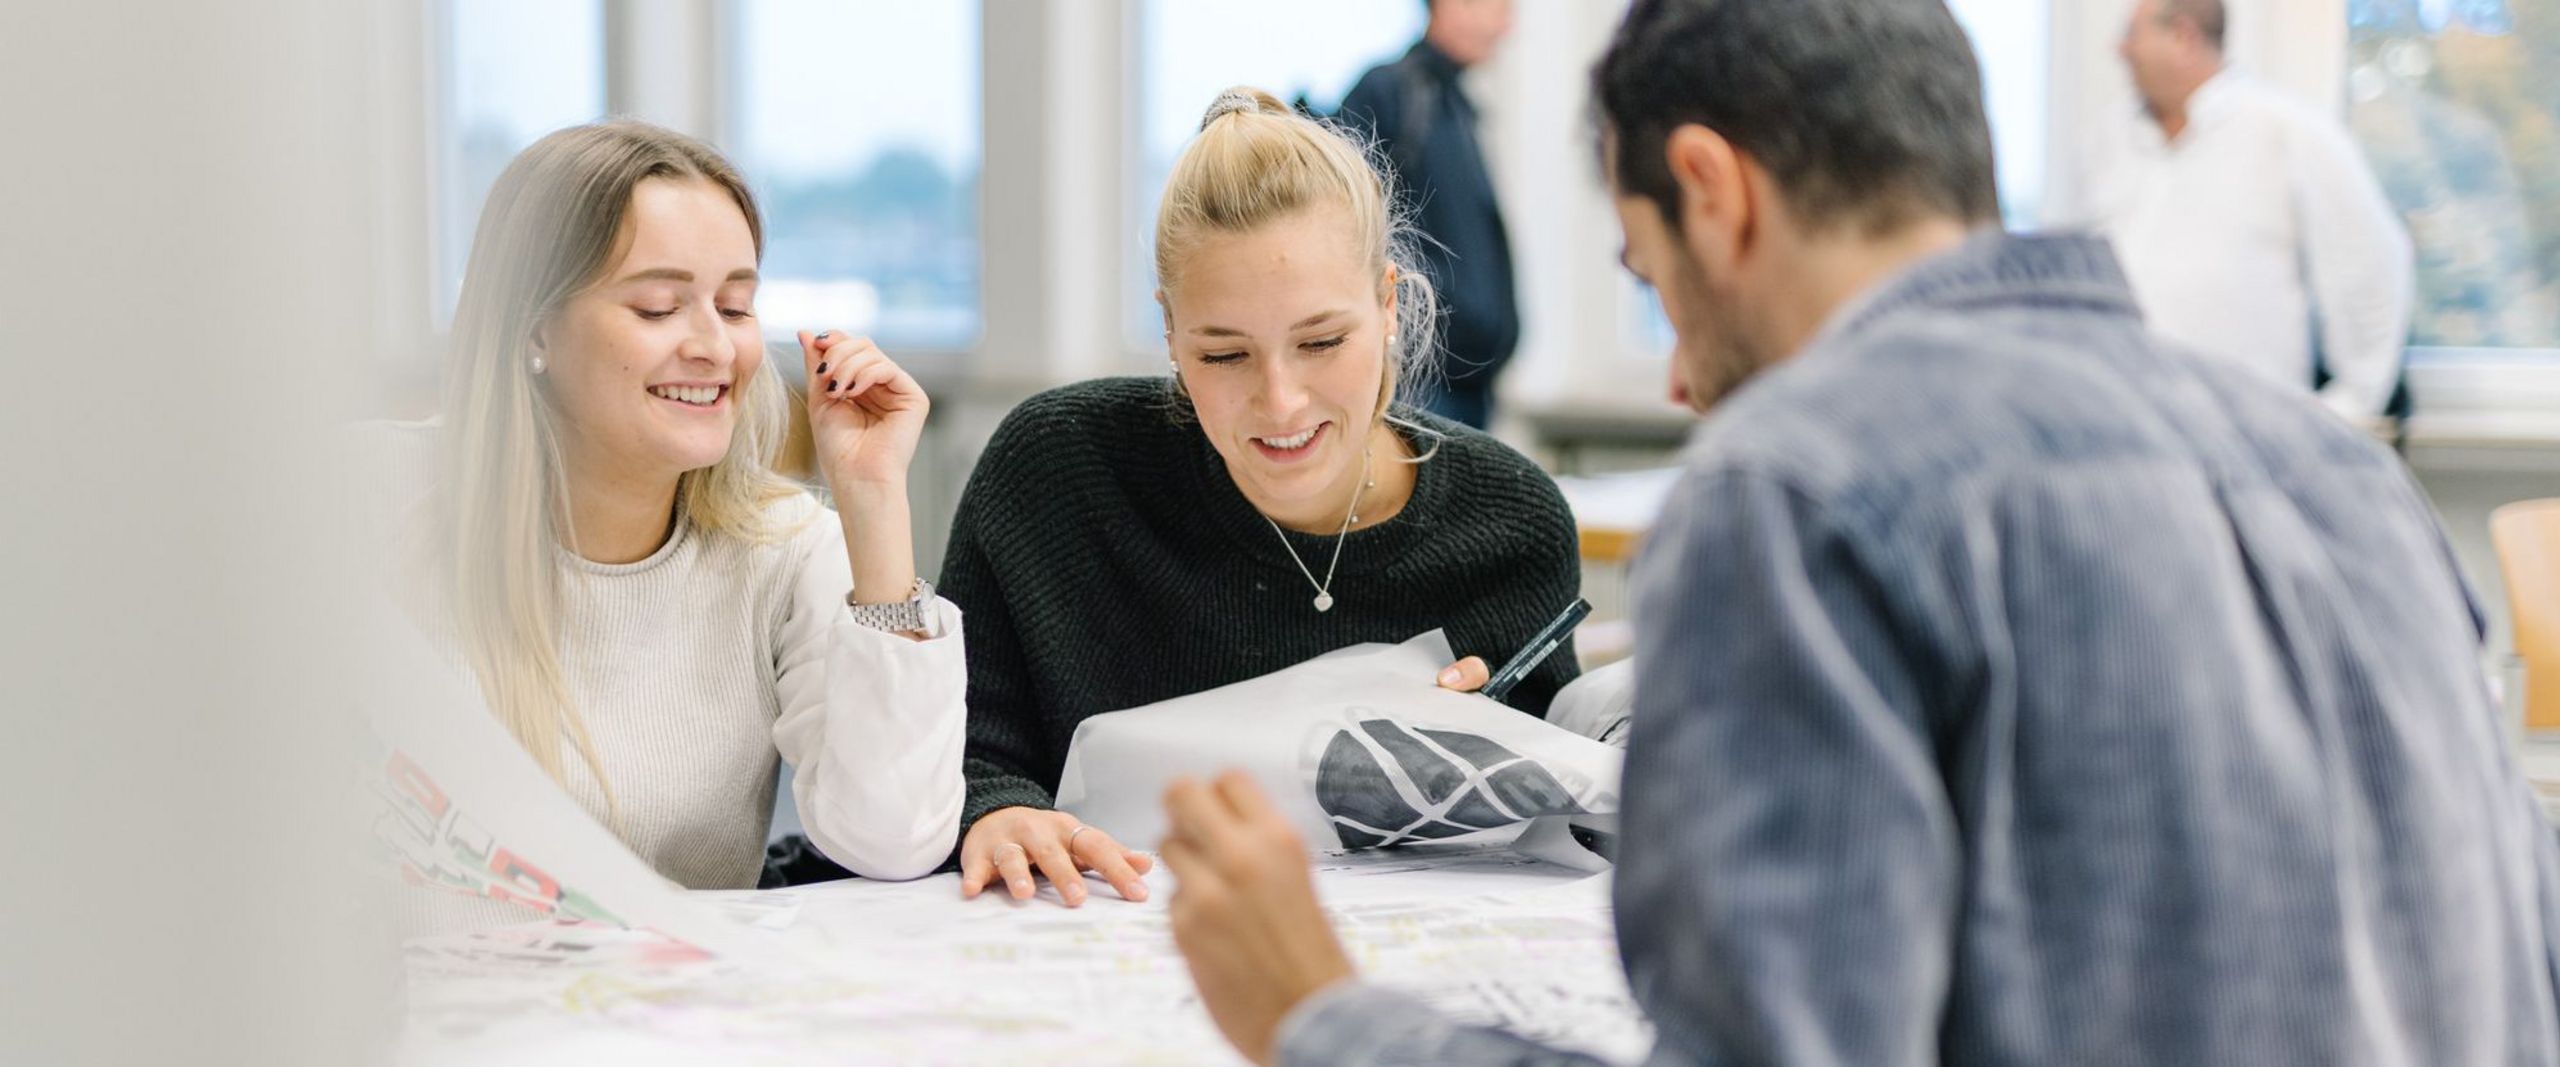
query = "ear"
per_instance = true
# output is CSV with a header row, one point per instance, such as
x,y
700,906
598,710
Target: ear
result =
x,y
1720,212
1389,290
1164,310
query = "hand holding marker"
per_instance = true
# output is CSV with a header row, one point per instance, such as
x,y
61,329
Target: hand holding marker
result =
x,y
1537,650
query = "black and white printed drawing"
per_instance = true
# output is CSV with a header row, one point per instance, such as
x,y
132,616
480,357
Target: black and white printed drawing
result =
x,y
1357,749
1384,784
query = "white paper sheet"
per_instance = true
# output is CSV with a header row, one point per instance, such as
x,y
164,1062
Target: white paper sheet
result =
x,y
464,813
1358,747
1599,704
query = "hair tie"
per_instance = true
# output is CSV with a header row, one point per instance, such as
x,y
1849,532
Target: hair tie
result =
x,y
1231,102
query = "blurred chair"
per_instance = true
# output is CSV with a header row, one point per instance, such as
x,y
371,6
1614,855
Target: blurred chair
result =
x,y
2528,538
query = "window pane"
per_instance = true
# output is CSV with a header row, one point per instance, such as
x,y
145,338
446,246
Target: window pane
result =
x,y
515,70
858,124
1191,49
2457,103
2014,40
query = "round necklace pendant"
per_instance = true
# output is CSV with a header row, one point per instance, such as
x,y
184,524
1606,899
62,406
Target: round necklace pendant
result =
x,y
1324,602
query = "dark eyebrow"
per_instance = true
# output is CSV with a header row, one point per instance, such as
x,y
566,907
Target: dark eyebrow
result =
x,y
1311,320
671,274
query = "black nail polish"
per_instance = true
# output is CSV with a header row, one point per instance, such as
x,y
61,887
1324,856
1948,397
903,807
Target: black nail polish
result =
x,y
822,369
826,334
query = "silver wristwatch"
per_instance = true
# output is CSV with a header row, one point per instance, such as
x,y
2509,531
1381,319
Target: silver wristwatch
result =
x,y
913,615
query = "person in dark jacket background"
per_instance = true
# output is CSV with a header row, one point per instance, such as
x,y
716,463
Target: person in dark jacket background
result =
x,y
1426,127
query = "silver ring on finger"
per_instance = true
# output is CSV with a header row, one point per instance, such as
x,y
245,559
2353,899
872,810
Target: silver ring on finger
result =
x,y
1071,838
994,854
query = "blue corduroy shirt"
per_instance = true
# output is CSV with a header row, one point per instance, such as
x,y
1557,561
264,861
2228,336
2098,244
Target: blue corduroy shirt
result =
x,y
2015,687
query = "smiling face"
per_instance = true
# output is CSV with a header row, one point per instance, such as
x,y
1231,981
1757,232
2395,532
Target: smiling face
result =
x,y
644,365
1280,336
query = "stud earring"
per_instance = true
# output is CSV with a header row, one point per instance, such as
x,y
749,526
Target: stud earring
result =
x,y
537,366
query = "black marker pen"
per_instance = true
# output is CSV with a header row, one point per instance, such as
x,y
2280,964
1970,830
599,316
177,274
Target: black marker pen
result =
x,y
1537,650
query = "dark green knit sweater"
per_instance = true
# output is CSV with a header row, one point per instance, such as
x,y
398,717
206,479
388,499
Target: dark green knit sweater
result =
x,y
1103,559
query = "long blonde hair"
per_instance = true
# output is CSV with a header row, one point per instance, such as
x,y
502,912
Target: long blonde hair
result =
x,y
553,225
1258,161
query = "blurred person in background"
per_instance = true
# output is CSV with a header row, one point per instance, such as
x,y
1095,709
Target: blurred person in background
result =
x,y
1417,111
2251,225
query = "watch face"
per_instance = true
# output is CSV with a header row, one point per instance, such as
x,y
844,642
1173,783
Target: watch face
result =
x,y
920,613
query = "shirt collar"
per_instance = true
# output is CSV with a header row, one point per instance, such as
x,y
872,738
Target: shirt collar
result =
x,y
1434,61
2212,100
1995,267
2208,105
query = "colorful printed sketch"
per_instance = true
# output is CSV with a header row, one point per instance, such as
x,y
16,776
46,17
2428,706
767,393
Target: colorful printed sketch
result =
x,y
439,846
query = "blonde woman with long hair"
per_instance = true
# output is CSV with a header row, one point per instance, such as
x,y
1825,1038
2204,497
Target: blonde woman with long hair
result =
x,y
651,610
1129,540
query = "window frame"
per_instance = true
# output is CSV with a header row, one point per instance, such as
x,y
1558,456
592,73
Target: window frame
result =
x,y
2489,396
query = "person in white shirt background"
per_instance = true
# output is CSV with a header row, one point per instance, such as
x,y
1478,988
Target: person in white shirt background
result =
x,y
602,544
2245,217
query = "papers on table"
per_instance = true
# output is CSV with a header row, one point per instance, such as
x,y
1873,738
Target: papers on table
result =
x,y
1481,932
480,836
634,971
1359,748
1598,704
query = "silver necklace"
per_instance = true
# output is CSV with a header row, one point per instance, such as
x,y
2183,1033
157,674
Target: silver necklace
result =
x,y
1324,589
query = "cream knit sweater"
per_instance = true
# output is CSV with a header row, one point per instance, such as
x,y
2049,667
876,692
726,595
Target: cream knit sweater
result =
x,y
698,667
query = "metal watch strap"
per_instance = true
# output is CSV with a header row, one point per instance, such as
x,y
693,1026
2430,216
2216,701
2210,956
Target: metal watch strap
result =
x,y
897,617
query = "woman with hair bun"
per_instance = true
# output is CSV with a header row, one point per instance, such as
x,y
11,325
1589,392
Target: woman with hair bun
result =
x,y
1129,540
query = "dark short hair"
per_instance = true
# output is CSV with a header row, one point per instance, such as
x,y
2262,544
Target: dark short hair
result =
x,y
1867,112
2212,19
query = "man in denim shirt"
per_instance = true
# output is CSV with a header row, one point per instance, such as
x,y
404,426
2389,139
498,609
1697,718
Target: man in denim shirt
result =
x,y
2015,688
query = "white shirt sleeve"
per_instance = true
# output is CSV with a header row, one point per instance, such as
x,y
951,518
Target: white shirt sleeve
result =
x,y
872,723
2358,258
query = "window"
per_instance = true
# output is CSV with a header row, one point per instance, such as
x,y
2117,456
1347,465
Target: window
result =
x,y
514,70
2457,103
2014,40
858,123
1189,50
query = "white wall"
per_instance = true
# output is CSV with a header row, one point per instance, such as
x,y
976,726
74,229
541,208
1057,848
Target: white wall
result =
x,y
192,286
